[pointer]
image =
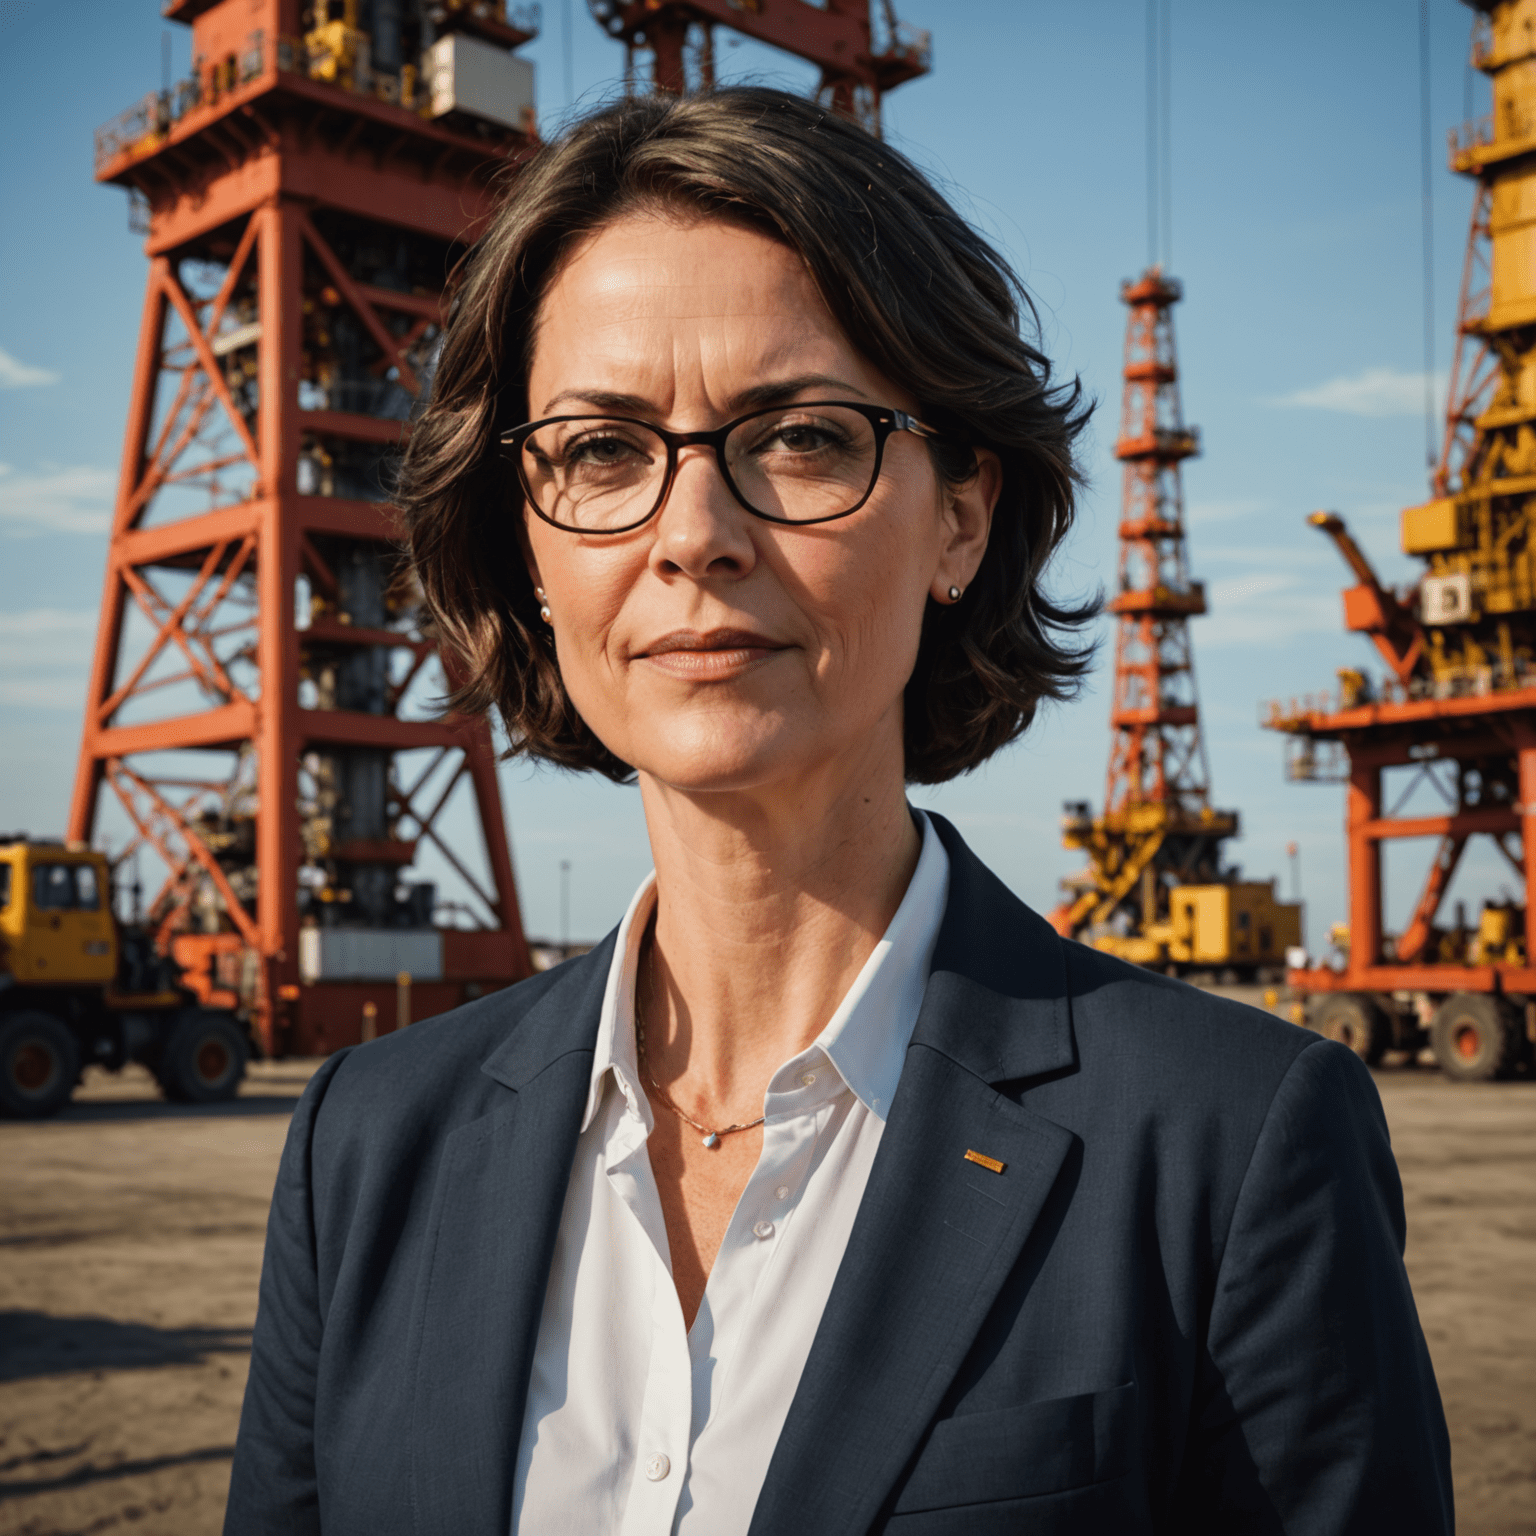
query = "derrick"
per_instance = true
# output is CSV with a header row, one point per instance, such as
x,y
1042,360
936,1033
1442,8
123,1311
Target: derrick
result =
x,y
1155,890
264,709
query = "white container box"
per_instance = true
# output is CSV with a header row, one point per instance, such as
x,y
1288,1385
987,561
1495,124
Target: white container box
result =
x,y
462,74
369,954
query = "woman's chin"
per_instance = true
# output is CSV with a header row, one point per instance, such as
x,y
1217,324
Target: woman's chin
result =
x,y
714,762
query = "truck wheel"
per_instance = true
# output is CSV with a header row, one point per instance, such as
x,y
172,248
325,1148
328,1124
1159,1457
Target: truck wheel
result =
x,y
39,1062
1353,1019
203,1058
1475,1037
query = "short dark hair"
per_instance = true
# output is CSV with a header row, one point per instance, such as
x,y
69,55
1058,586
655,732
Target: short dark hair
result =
x,y
919,293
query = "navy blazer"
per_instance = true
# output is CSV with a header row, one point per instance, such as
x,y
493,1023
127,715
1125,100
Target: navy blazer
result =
x,y
1180,1306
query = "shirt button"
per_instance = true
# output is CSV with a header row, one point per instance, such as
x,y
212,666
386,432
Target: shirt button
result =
x,y
808,1079
782,1192
762,1229
657,1466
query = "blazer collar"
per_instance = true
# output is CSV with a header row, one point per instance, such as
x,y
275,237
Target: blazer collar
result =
x,y
997,1001
562,1020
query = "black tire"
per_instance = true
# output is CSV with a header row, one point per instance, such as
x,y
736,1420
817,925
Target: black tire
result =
x,y
203,1058
1353,1019
1475,1037
39,1065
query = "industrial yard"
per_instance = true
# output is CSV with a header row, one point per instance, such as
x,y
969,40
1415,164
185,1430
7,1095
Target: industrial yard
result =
x,y
133,1230
344,864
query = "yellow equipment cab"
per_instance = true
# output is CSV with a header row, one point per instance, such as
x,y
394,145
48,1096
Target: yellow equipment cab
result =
x,y
78,987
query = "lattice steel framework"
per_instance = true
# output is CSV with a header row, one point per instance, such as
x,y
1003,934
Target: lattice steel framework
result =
x,y
1157,755
1458,708
858,64
1158,829
262,700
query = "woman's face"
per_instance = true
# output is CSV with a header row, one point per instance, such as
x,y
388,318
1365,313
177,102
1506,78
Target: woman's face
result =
x,y
710,649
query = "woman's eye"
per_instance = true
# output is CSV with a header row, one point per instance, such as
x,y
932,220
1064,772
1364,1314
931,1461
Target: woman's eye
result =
x,y
799,437
601,452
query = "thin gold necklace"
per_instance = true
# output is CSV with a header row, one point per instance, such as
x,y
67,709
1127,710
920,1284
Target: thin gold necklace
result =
x,y
711,1138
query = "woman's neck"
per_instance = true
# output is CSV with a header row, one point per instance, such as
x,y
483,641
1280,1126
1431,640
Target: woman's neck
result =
x,y
768,907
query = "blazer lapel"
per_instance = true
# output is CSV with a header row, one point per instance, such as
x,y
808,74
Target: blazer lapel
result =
x,y
937,1233
496,1211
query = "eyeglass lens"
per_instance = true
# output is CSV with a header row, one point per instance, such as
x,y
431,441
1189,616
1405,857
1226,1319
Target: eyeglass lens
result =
x,y
798,464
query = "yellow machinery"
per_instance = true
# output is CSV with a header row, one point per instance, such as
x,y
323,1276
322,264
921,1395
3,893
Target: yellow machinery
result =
x,y
1455,708
77,987
1238,926
1477,596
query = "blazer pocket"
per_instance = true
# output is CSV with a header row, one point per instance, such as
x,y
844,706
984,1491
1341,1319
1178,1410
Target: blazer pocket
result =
x,y
1016,1453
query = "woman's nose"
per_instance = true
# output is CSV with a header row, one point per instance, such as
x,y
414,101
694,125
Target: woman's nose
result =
x,y
701,529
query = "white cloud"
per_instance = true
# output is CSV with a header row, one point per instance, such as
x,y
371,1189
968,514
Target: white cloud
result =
x,y
1267,608
54,499
1375,392
45,655
15,374
1198,513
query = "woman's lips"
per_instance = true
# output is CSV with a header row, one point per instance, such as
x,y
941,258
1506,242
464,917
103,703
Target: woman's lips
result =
x,y
708,657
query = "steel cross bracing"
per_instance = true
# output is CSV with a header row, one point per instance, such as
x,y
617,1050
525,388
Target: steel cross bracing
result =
x,y
858,65
1158,755
1459,698
262,703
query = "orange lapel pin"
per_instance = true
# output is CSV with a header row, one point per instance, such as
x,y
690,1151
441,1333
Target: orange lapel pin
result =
x,y
983,1161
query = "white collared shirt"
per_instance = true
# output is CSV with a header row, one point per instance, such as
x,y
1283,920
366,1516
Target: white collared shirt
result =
x,y
635,1426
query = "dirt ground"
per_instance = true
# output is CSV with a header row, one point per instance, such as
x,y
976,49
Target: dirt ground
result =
x,y
131,1234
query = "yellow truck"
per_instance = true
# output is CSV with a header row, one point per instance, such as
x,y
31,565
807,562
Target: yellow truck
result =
x,y
77,987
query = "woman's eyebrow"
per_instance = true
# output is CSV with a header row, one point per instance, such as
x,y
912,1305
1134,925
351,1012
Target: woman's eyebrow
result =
x,y
602,399
774,392
786,389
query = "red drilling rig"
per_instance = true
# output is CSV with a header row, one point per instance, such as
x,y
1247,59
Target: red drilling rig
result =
x,y
262,702
1155,891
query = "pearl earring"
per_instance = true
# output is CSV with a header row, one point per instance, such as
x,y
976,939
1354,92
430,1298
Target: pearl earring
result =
x,y
544,614
954,594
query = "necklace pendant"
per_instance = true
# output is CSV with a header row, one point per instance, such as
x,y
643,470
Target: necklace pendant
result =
x,y
712,1140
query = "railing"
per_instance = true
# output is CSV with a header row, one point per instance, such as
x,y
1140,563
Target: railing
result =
x,y
1472,134
913,45
1480,132
146,124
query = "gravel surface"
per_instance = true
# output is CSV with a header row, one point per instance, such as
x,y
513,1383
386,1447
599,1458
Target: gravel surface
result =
x,y
132,1232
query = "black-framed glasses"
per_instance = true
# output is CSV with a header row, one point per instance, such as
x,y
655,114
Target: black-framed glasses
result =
x,y
811,462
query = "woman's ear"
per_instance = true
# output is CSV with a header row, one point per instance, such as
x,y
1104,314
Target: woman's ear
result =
x,y
967,526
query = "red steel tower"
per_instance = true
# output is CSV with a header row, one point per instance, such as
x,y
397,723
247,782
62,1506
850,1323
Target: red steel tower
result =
x,y
838,37
1157,756
1157,846
264,702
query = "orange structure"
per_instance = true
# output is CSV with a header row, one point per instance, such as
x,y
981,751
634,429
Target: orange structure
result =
x,y
1155,890
1456,706
838,37
262,705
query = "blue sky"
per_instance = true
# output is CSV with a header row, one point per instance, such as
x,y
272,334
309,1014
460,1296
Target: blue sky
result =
x,y
1296,231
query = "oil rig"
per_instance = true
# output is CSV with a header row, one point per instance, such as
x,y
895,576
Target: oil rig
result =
x,y
264,713
1454,711
1156,891
262,706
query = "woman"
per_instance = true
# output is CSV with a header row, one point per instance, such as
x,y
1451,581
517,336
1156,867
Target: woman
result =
x,y
833,1192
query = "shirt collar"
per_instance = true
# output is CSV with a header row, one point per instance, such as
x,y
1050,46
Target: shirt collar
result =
x,y
866,1039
